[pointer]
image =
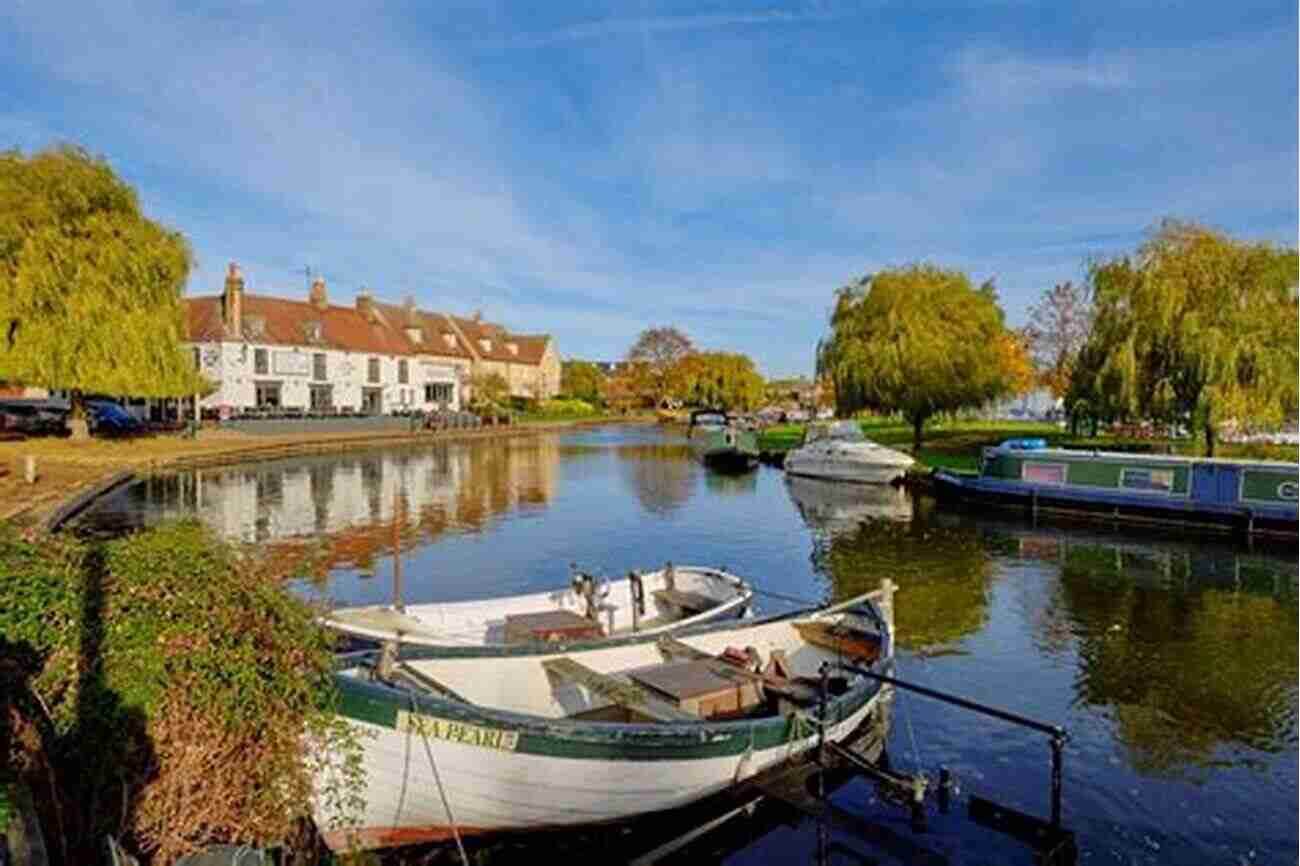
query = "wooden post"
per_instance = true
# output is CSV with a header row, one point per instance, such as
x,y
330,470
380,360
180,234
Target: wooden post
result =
x,y
29,469
397,554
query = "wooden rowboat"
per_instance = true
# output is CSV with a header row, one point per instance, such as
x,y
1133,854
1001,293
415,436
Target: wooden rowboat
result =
x,y
463,746
672,598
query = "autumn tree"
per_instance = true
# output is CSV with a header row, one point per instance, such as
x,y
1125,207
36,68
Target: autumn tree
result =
x,y
581,380
918,340
1058,327
489,389
1197,327
90,287
1015,360
655,353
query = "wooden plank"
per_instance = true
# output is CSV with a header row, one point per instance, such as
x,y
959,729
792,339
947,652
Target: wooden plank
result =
x,y
846,641
671,646
620,691
692,601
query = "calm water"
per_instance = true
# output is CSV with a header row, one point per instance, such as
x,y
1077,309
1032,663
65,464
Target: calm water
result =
x,y
1171,659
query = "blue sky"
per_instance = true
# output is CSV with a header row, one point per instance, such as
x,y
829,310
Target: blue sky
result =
x,y
592,169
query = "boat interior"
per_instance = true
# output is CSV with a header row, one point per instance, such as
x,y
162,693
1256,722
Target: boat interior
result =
x,y
760,670
588,609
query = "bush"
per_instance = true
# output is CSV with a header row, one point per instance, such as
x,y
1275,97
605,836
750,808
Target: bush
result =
x,y
562,408
165,689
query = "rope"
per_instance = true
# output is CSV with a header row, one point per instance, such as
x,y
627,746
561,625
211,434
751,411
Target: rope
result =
x,y
911,733
437,777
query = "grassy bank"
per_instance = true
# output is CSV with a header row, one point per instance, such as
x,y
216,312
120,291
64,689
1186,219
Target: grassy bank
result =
x,y
957,444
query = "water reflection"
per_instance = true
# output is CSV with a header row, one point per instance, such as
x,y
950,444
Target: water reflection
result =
x,y
660,474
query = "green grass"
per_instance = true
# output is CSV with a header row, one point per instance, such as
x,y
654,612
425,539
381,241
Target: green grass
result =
x,y
956,444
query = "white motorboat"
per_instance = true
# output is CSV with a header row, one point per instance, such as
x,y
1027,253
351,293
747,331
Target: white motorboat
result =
x,y
457,746
589,609
841,452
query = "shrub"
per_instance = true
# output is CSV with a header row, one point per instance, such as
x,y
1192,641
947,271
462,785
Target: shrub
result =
x,y
562,408
167,690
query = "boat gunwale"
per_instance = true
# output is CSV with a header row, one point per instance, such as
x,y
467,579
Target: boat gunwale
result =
x,y
1122,456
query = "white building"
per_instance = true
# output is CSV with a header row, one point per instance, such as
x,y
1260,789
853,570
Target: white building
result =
x,y
370,357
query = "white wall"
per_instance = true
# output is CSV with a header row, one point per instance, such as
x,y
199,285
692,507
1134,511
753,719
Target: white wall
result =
x,y
232,365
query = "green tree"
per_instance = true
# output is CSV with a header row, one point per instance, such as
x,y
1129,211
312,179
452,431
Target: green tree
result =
x,y
918,340
581,380
1197,327
724,379
90,288
489,389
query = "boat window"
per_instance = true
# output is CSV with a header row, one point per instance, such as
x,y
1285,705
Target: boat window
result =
x,y
1043,473
847,432
1147,480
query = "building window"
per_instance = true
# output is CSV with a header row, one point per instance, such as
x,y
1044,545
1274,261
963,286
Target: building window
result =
x,y
440,392
402,373
374,370
372,401
322,398
260,362
318,367
268,395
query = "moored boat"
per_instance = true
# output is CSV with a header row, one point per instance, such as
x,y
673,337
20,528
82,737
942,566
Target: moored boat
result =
x,y
472,746
1252,496
667,599
841,452
721,442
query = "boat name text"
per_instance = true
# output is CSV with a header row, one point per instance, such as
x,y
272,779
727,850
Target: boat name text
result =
x,y
457,732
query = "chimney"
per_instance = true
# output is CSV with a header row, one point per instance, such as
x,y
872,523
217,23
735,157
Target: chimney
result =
x,y
478,316
318,298
366,306
232,301
409,304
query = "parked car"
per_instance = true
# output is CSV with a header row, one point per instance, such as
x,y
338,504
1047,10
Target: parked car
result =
x,y
32,418
107,418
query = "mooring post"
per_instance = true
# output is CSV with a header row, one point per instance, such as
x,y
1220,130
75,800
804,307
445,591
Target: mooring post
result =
x,y
945,790
29,469
1058,747
918,803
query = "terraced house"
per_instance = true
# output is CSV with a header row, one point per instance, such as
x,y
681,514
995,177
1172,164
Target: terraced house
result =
x,y
274,352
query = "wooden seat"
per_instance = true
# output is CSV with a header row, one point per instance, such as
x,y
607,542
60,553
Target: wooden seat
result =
x,y
620,691
848,642
550,626
689,601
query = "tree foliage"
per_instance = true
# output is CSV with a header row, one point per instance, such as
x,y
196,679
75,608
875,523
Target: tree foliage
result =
x,y
1195,327
581,380
90,288
1058,328
489,390
723,379
918,340
655,353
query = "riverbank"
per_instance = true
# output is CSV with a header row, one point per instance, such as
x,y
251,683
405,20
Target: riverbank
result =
x,y
956,445
66,469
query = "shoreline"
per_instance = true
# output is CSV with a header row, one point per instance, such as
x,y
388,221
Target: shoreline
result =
x,y
69,474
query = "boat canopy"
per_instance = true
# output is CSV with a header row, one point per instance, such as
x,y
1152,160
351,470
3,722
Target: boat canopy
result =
x,y
840,431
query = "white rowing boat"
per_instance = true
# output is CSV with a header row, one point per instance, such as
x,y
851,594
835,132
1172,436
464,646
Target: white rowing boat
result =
x,y
470,745
672,598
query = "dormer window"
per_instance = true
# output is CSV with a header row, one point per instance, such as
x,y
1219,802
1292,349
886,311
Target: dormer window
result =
x,y
512,348
449,338
254,326
415,335
313,331
485,345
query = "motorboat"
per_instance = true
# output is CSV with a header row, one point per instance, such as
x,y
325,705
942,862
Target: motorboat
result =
x,y
841,452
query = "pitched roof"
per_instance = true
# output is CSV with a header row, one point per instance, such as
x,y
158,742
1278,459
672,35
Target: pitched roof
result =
x,y
286,322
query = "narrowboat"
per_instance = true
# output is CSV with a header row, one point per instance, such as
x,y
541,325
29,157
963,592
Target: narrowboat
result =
x,y
470,746
667,599
1251,496
721,442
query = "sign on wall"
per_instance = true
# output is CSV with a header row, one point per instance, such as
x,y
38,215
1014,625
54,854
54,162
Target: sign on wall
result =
x,y
291,363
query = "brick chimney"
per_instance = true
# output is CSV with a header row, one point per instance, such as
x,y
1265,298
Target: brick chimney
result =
x,y
366,306
318,298
232,301
408,305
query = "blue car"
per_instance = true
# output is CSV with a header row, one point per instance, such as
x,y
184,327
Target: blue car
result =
x,y
110,419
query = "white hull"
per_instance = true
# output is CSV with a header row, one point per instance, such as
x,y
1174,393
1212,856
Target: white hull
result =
x,y
482,622
844,471
859,460
491,790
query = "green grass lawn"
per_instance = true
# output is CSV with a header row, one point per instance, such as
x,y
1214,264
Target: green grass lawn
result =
x,y
956,444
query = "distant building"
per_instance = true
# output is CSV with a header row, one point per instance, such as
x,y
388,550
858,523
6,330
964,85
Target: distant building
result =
x,y
372,357
610,368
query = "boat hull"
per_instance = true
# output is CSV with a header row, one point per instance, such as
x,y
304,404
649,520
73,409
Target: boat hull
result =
x,y
855,473
498,777
1114,505
726,449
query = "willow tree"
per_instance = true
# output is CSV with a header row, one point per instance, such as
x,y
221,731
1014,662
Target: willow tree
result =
x,y
724,379
918,340
1197,328
90,288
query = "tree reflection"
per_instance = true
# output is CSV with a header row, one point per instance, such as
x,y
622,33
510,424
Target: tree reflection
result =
x,y
1195,649
661,476
944,574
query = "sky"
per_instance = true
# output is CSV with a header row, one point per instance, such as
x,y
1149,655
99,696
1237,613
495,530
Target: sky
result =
x,y
591,169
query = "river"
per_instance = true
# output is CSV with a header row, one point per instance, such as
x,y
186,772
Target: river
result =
x,y
1171,658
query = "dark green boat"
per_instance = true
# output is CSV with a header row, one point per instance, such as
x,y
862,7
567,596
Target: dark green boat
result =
x,y
719,441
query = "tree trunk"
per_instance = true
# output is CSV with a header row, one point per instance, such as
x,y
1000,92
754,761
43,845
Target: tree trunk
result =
x,y
79,428
917,424
1209,439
